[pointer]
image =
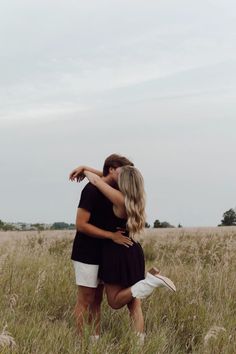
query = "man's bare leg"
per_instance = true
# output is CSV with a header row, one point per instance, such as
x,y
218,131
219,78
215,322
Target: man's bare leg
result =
x,y
85,298
95,309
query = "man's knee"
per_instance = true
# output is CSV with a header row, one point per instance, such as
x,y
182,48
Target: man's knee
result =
x,y
98,296
86,296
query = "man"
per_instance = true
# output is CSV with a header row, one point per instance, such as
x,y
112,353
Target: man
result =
x,y
93,221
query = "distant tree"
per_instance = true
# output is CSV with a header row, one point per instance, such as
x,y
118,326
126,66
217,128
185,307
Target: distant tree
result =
x,y
8,227
180,226
229,218
39,227
72,227
60,226
156,224
147,225
163,224
23,227
1,224
166,224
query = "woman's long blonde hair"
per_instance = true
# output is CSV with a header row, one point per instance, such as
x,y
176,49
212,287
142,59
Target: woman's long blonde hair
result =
x,y
131,185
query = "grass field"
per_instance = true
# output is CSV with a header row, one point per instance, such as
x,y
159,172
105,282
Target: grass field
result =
x,y
37,296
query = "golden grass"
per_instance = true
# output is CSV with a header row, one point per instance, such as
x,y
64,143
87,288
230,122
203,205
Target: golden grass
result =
x,y
37,295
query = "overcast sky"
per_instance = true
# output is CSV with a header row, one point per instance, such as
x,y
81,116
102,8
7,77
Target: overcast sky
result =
x,y
152,80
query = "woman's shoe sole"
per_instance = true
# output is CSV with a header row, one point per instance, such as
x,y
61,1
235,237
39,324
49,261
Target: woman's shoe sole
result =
x,y
167,282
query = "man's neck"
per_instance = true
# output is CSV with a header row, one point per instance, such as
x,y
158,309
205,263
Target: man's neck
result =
x,y
109,180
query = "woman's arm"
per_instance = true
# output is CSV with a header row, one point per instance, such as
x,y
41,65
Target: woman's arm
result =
x,y
114,195
78,173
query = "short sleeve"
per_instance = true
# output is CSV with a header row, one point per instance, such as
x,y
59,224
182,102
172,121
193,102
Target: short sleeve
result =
x,y
89,197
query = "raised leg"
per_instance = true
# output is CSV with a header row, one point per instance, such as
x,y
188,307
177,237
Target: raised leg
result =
x,y
117,296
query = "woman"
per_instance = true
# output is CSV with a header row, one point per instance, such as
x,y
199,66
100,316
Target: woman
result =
x,y
122,269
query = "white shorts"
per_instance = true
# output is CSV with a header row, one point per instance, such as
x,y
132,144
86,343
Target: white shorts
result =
x,y
86,274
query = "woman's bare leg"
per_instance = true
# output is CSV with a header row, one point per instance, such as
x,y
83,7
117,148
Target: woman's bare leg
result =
x,y
136,315
117,296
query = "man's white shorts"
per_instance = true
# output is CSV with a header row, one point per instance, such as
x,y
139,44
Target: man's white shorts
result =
x,y
86,274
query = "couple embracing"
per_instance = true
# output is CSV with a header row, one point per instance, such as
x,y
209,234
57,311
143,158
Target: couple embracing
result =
x,y
105,252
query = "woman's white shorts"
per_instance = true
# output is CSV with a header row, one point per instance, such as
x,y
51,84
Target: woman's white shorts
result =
x,y
86,274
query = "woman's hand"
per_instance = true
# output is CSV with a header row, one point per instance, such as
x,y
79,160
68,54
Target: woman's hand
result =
x,y
92,177
77,174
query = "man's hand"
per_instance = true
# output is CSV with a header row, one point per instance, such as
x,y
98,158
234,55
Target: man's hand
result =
x,y
120,239
77,174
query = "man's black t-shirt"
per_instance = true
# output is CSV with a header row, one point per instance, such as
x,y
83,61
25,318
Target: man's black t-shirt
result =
x,y
87,249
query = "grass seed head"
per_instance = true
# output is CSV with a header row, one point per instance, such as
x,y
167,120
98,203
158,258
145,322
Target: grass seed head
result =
x,y
13,301
41,281
213,333
6,340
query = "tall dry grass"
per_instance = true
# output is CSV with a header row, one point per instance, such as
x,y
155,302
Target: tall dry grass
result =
x,y
37,295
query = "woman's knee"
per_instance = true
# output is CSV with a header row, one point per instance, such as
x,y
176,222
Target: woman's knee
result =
x,y
114,305
113,296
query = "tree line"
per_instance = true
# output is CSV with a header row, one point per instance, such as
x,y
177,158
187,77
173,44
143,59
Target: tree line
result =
x,y
228,219
37,226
